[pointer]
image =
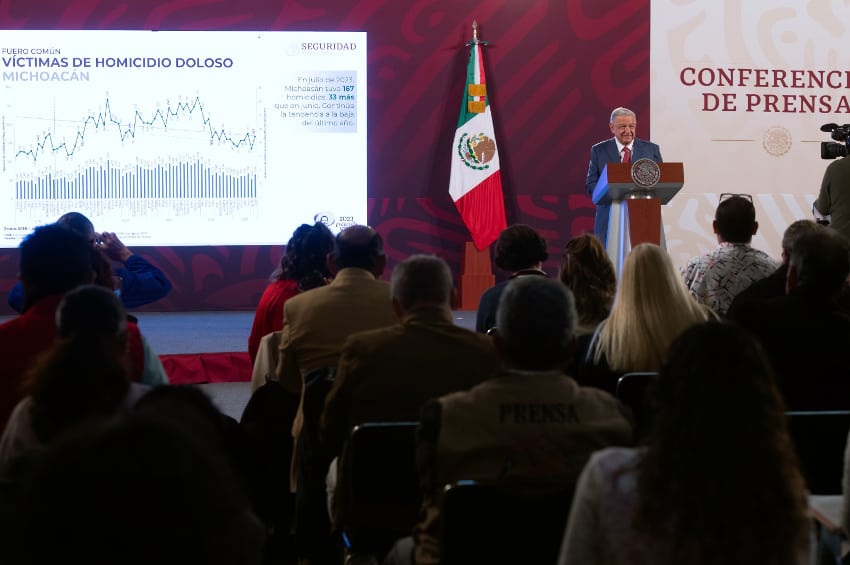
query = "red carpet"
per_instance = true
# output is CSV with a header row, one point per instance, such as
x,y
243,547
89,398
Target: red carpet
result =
x,y
198,368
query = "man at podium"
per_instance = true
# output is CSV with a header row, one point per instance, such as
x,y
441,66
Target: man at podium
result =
x,y
624,147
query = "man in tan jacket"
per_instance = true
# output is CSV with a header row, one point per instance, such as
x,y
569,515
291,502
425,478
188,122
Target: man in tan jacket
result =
x,y
316,323
387,374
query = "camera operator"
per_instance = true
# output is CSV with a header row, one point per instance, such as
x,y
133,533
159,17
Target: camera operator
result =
x,y
834,197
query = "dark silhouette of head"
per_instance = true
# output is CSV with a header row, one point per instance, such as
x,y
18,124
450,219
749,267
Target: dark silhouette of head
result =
x,y
305,258
735,220
421,280
820,263
81,225
745,448
793,232
93,496
83,375
535,323
192,409
53,260
93,310
359,247
78,223
587,270
519,247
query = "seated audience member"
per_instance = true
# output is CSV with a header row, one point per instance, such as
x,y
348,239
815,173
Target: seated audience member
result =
x,y
773,285
315,327
317,323
137,281
145,366
531,425
136,490
651,308
53,260
387,374
717,483
715,278
845,488
82,376
189,407
805,333
303,266
588,272
520,250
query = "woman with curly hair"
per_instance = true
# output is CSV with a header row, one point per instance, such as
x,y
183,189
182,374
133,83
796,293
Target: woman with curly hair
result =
x,y
718,482
587,270
520,250
303,266
651,308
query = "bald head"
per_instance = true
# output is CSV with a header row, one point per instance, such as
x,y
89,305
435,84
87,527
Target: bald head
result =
x,y
359,247
422,280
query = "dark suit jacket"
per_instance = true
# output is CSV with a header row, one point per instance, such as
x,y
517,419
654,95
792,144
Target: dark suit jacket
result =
x,y
805,338
606,152
488,304
767,288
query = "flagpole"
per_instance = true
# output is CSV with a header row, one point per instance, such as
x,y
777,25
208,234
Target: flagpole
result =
x,y
476,274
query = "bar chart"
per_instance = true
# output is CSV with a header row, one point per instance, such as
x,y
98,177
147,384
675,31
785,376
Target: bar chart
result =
x,y
180,181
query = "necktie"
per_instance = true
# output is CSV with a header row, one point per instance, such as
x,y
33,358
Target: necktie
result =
x,y
627,155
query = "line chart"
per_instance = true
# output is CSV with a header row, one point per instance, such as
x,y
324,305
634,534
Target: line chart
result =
x,y
106,118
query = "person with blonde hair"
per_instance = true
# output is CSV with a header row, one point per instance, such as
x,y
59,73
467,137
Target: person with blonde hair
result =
x,y
651,308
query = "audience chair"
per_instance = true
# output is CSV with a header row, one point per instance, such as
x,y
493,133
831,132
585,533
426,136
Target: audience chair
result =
x,y
313,539
266,424
382,486
632,390
487,523
819,440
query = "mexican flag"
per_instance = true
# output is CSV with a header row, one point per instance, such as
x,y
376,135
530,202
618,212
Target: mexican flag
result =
x,y
476,183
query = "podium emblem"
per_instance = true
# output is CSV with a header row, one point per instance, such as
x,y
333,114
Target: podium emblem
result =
x,y
645,173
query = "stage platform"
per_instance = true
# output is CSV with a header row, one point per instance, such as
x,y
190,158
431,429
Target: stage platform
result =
x,y
206,332
212,332
210,349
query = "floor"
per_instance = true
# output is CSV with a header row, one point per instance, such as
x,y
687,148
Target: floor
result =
x,y
201,332
207,332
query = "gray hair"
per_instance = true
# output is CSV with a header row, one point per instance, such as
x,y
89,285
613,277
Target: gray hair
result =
x,y
422,279
621,111
794,232
821,259
535,322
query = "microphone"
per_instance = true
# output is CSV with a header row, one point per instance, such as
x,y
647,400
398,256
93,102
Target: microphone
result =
x,y
828,127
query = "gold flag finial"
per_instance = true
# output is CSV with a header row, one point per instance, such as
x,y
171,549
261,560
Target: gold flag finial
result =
x,y
475,40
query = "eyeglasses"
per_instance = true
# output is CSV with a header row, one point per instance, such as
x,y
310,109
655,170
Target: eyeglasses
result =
x,y
728,195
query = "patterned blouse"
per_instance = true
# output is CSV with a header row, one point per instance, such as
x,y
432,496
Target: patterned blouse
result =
x,y
716,278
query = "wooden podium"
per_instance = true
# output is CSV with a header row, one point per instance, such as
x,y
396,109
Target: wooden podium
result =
x,y
635,210
476,276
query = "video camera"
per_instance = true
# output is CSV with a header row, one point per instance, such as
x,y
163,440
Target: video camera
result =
x,y
830,149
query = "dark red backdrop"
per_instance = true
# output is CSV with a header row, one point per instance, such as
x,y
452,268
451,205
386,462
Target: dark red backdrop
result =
x,y
555,69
